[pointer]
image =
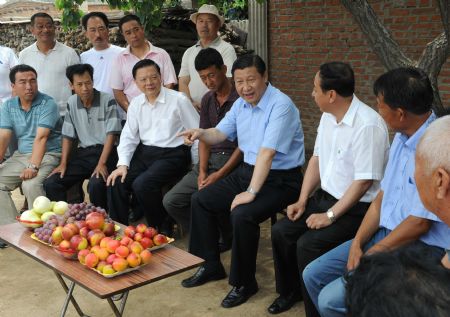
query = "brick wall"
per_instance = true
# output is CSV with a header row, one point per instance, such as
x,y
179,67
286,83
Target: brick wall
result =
x,y
304,34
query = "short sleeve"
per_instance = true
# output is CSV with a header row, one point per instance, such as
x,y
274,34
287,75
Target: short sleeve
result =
x,y
68,128
229,56
49,116
228,124
169,74
184,69
279,133
112,118
5,116
116,80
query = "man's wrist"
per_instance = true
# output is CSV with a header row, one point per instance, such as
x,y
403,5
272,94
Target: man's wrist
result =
x,y
252,191
331,215
33,167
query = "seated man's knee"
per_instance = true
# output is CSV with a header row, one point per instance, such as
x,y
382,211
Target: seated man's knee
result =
x,y
239,216
331,300
96,183
30,185
143,186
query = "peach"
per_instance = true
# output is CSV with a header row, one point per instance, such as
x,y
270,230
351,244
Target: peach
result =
x,y
136,247
64,245
110,258
146,242
126,241
122,251
104,242
130,231
84,232
101,265
78,242
145,256
102,254
57,235
91,260
138,236
134,259
112,245
67,233
159,239
119,264
108,269
150,232
96,238
82,255
141,228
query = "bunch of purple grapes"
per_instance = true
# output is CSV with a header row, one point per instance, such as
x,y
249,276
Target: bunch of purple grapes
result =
x,y
44,233
81,210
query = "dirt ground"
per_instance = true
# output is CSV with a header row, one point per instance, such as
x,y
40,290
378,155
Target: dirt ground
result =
x,y
28,288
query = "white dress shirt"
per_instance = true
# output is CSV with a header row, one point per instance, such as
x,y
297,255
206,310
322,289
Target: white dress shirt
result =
x,y
156,124
356,148
7,61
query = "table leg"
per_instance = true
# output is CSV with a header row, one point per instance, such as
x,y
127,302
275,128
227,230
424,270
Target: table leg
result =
x,y
123,301
69,291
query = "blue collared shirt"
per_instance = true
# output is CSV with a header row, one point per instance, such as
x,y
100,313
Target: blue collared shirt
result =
x,y
43,113
400,197
273,123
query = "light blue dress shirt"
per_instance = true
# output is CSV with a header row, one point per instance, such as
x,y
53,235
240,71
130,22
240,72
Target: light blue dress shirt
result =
x,y
400,197
273,123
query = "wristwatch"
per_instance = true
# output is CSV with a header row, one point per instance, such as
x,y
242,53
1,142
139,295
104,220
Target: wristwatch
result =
x,y
32,167
251,191
331,216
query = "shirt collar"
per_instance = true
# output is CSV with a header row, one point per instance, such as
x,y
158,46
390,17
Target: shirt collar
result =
x,y
160,99
412,141
153,50
263,103
350,115
214,43
55,48
95,101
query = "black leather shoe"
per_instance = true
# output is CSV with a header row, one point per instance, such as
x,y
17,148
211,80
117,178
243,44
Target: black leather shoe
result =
x,y
283,303
135,216
203,276
3,245
239,295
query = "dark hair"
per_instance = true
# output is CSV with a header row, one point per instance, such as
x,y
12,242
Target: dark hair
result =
x,y
40,15
145,63
79,69
208,57
249,60
21,68
128,18
408,282
407,88
101,15
337,76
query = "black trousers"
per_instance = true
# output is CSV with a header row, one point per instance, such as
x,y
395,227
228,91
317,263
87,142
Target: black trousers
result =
x,y
294,245
150,169
80,167
209,205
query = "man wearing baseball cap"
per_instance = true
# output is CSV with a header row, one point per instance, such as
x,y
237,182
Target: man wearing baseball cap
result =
x,y
207,21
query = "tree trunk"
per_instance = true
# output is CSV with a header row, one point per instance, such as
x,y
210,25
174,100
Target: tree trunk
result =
x,y
391,55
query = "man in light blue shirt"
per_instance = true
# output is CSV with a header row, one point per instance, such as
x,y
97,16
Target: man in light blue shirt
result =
x,y
267,126
34,119
396,217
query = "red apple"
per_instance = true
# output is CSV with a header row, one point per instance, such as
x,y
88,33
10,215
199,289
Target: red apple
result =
x,y
67,233
78,242
64,245
73,227
57,235
130,231
84,232
95,220
80,224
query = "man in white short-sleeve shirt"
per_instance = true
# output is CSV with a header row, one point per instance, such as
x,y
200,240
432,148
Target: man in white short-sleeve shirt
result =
x,y
50,59
348,163
207,22
7,61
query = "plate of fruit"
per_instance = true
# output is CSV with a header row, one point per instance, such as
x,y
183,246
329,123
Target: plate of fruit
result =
x,y
148,237
113,257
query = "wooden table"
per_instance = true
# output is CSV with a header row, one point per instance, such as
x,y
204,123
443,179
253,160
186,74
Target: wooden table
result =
x,y
165,262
